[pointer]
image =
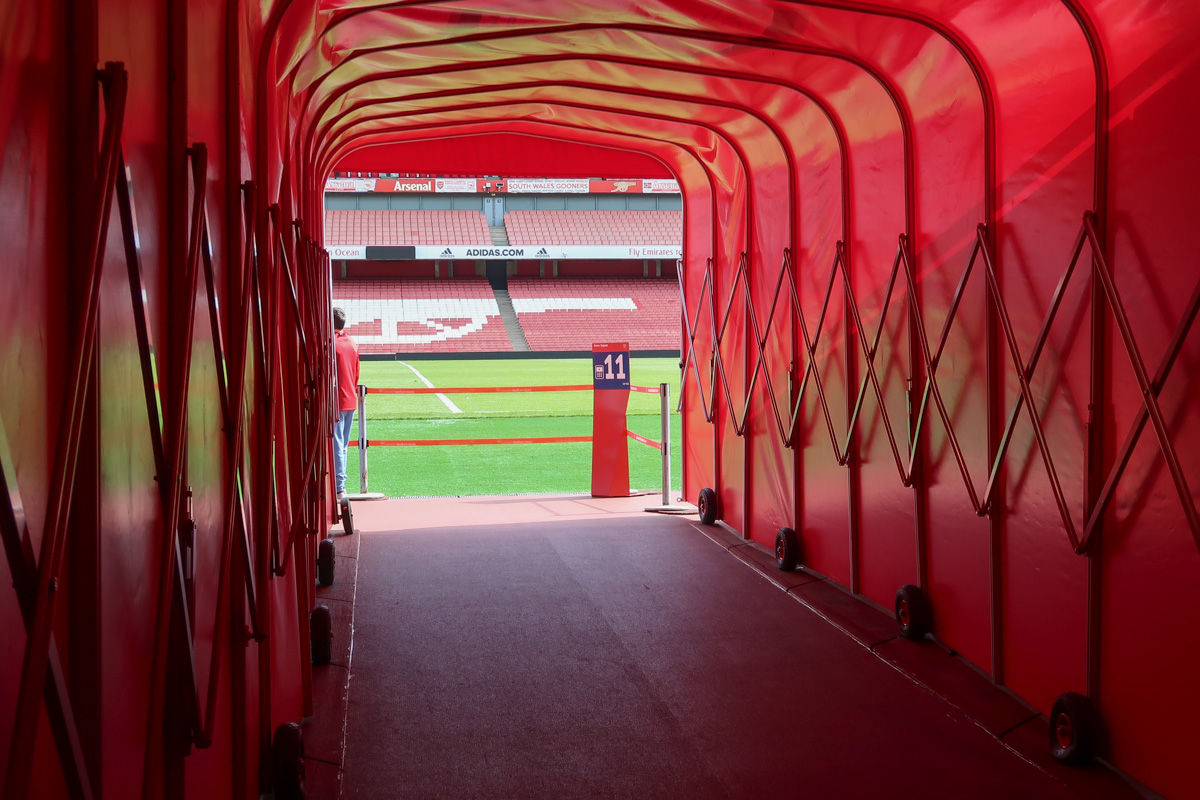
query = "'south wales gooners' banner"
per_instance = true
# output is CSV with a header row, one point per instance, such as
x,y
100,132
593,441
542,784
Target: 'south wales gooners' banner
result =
x,y
501,185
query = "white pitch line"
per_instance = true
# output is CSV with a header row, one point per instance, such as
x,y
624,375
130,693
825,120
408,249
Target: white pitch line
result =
x,y
450,405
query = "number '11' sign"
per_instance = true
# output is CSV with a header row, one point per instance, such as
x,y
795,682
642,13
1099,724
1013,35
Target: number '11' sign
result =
x,y
610,365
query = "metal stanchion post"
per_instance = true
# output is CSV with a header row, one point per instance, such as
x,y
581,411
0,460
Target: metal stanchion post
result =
x,y
664,391
362,438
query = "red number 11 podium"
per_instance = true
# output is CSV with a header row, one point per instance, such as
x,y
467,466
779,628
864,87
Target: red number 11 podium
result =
x,y
610,447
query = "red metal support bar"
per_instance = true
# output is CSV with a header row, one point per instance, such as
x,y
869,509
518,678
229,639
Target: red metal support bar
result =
x,y
1034,356
1139,424
787,276
786,433
327,355
812,370
214,324
931,360
1097,419
285,551
690,328
255,288
114,82
304,266
304,384
869,350
981,250
237,488
306,479
314,398
204,735
290,285
739,278
266,362
305,261
313,427
1023,375
169,454
1149,391
199,250
810,344
810,367
23,566
255,542
869,356
234,512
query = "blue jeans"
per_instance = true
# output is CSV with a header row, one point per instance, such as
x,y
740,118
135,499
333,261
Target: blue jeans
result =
x,y
341,435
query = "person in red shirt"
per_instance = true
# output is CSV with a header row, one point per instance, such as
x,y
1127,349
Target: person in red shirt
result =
x,y
346,351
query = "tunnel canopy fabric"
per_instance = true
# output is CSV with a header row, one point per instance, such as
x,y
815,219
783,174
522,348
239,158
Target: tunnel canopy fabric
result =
x,y
868,150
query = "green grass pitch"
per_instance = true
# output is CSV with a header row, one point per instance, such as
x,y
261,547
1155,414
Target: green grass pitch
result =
x,y
432,471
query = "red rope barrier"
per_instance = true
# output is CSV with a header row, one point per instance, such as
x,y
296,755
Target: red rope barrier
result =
x,y
545,440
440,442
583,387
644,440
493,390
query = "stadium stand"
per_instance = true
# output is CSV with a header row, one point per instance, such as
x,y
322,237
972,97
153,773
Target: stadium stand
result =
x,y
397,227
457,315
594,227
574,313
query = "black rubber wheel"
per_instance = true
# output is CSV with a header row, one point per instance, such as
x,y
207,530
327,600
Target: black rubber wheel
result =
x,y
913,614
287,757
708,506
325,558
787,549
1072,729
320,626
347,518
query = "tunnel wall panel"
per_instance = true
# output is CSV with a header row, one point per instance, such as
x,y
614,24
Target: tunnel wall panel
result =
x,y
1149,589
882,514
34,265
998,135
130,701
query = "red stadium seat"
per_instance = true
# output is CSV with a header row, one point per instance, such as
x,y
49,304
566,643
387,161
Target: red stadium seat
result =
x,y
594,227
443,316
573,313
405,227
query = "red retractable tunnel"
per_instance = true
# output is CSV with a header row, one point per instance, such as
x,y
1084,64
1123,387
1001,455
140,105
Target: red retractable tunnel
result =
x,y
938,297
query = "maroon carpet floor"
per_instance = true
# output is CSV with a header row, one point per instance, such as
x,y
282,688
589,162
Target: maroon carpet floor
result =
x,y
563,655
